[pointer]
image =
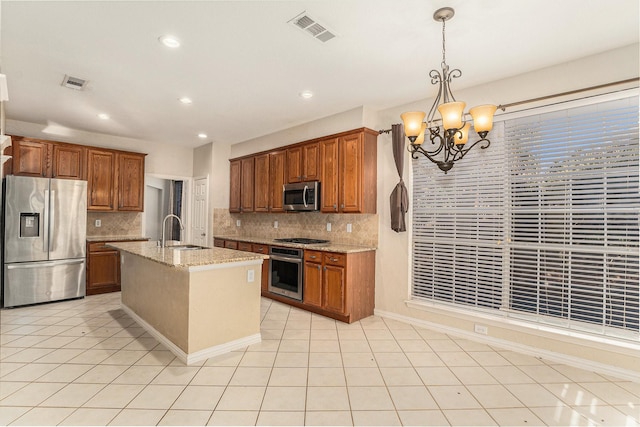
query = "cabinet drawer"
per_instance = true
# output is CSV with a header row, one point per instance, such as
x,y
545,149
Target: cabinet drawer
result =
x,y
231,244
99,247
244,246
261,249
313,256
335,259
218,243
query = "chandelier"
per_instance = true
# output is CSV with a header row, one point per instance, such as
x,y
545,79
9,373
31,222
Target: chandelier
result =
x,y
449,141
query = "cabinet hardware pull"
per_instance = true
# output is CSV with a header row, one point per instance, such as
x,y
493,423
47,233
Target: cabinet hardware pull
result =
x,y
318,267
312,257
342,206
334,259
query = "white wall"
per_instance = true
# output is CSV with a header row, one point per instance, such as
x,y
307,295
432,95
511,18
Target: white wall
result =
x,y
162,159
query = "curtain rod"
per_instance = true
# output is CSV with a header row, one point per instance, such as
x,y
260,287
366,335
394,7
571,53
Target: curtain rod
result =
x,y
556,95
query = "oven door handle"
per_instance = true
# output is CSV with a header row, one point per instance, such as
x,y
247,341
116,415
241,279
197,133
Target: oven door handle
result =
x,y
286,259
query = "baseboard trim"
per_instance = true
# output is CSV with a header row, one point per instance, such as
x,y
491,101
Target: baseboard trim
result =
x,y
198,356
509,345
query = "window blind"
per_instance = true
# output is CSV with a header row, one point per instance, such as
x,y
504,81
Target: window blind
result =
x,y
458,224
542,226
574,216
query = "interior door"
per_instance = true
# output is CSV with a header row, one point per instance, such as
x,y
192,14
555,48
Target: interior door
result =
x,y
199,225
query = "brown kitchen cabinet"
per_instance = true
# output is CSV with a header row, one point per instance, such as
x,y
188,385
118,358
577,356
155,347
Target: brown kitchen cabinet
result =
x,y
235,178
261,183
130,172
103,269
349,173
101,181
48,159
339,285
303,163
276,180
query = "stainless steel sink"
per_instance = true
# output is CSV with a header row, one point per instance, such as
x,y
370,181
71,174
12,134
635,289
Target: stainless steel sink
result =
x,y
186,247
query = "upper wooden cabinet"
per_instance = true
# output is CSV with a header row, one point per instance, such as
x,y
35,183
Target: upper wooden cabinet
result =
x,y
303,163
261,184
235,178
345,164
115,180
349,173
130,173
69,161
49,159
276,180
101,181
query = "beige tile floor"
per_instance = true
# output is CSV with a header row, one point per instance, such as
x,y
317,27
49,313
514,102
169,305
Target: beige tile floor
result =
x,y
85,362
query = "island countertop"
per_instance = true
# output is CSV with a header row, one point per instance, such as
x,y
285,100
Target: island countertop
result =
x,y
188,259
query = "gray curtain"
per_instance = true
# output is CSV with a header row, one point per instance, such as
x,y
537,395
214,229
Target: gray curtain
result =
x,y
399,199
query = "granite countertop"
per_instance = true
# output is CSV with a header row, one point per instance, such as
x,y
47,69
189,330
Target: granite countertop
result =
x,y
327,247
115,238
189,258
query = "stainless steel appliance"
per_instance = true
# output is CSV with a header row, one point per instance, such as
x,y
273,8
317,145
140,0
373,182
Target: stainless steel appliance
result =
x,y
301,196
44,225
286,267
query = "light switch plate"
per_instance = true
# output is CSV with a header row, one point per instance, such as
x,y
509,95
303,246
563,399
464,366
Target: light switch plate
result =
x,y
348,228
98,223
275,224
238,222
328,226
251,276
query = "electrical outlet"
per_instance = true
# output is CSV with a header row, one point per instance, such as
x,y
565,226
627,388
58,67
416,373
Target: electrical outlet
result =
x,y
251,276
238,223
275,224
348,228
481,329
328,226
98,223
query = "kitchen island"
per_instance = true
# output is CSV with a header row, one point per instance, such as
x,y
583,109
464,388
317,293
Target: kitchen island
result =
x,y
199,303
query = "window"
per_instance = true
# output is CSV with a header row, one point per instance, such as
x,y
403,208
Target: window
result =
x,y
541,226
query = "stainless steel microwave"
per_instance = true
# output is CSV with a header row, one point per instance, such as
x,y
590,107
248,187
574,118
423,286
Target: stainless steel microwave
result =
x,y
301,196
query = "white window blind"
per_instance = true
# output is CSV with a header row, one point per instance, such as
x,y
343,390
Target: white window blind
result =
x,y
542,226
458,222
574,215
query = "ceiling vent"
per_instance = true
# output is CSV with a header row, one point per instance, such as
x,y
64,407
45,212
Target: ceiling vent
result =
x,y
74,82
312,27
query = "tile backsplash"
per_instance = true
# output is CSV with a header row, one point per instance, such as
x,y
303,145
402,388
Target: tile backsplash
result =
x,y
364,227
114,224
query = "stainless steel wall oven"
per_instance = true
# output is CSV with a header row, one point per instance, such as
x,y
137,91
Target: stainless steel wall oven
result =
x,y
285,273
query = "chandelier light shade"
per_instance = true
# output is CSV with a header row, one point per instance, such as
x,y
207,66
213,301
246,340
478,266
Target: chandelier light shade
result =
x,y
448,135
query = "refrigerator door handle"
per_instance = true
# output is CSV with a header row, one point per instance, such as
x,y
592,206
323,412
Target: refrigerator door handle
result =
x,y
50,224
39,264
45,222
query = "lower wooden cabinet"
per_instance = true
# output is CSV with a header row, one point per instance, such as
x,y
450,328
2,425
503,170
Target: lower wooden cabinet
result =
x,y
103,269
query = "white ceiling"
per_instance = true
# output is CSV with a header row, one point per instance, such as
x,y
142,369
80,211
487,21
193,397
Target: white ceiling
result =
x,y
243,65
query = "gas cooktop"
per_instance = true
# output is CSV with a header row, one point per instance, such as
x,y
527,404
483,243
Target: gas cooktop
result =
x,y
301,240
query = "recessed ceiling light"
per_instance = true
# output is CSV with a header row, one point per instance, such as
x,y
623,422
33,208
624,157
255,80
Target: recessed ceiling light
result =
x,y
169,41
202,135
185,100
103,116
306,94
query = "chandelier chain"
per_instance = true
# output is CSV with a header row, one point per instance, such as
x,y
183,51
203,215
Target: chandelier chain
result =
x,y
444,59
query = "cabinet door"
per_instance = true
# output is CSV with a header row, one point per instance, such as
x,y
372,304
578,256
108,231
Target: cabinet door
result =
x,y
350,172
103,272
31,158
247,185
294,164
276,180
333,285
235,168
312,293
68,162
100,180
130,182
329,161
311,162
261,185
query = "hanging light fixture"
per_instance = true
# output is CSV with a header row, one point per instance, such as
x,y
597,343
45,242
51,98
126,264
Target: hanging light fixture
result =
x,y
450,138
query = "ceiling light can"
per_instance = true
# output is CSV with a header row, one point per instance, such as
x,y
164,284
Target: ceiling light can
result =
x,y
202,135
306,94
185,100
103,116
169,41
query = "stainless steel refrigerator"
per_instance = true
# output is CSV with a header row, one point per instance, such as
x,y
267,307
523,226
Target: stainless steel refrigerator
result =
x,y
44,240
